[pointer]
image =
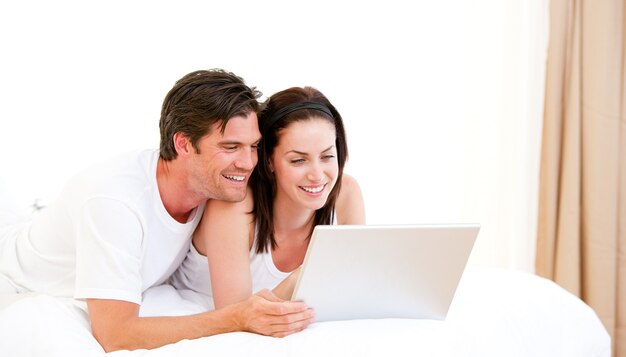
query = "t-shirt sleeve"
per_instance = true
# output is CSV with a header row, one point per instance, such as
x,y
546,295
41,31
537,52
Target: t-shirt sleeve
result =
x,y
109,251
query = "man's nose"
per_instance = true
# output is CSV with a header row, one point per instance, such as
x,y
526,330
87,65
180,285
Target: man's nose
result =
x,y
246,160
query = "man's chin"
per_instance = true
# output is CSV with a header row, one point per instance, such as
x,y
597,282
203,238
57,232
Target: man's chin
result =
x,y
233,196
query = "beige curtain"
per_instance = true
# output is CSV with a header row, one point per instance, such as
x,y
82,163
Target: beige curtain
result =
x,y
581,241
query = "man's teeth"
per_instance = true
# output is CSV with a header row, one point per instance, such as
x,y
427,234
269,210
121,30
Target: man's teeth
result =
x,y
313,189
235,178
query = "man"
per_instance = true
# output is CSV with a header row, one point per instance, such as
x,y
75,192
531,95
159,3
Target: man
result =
x,y
124,226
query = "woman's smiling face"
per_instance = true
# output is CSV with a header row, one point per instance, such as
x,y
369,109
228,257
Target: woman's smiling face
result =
x,y
305,163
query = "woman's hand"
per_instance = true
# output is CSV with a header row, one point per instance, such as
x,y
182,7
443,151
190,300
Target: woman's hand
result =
x,y
284,290
266,314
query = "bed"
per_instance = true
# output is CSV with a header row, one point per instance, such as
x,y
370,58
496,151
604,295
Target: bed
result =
x,y
494,313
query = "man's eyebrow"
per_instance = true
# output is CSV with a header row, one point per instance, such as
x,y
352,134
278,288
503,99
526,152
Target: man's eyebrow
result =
x,y
235,142
229,142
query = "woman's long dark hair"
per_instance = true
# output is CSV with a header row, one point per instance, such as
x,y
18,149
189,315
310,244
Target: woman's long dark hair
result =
x,y
263,182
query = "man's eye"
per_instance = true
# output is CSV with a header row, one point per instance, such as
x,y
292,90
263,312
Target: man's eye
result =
x,y
230,147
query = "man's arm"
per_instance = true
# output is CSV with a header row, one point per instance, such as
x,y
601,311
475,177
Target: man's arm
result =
x,y
117,325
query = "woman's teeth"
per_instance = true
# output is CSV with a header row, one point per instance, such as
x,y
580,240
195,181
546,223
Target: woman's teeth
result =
x,y
316,189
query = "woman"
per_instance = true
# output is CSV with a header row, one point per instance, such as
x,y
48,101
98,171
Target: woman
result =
x,y
297,184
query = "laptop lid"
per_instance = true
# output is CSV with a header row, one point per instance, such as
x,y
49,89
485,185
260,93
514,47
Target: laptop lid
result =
x,y
385,271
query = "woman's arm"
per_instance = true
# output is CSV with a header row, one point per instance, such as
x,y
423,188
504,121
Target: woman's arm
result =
x,y
224,237
350,206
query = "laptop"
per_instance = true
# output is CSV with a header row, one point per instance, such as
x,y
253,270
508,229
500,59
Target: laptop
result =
x,y
384,271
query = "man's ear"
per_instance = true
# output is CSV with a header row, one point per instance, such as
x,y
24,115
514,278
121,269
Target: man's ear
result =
x,y
183,144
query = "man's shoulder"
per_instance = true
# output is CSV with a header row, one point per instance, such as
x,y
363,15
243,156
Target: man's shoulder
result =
x,y
126,176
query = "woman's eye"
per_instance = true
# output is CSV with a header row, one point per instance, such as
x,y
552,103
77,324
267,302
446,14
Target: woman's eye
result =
x,y
328,157
297,161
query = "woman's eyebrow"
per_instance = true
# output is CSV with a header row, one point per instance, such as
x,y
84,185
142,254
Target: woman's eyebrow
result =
x,y
297,152
329,148
306,154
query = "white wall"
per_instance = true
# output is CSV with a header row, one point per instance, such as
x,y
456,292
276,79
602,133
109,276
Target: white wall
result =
x,y
442,100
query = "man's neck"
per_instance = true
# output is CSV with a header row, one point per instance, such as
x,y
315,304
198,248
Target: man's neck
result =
x,y
178,200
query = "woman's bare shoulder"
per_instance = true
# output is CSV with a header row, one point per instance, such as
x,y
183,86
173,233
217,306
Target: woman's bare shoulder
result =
x,y
349,186
350,207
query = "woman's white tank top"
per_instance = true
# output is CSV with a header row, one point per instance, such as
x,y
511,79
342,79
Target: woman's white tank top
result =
x,y
194,272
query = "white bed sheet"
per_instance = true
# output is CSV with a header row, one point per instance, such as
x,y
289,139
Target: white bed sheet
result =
x,y
494,313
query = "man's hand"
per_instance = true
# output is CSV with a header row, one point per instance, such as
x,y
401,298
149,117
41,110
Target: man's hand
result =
x,y
266,314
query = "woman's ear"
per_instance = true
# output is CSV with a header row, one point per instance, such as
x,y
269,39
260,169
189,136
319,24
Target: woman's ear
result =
x,y
182,144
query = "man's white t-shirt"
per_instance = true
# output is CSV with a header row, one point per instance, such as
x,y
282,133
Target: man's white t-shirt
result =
x,y
108,236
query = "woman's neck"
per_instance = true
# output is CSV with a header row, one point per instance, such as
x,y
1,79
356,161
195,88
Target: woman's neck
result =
x,y
289,218
292,225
